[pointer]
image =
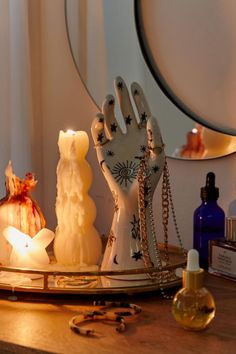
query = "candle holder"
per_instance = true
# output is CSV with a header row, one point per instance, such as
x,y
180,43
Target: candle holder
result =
x,y
19,210
54,280
134,260
27,251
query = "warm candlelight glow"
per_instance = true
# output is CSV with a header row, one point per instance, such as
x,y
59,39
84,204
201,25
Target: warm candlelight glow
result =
x,y
70,132
194,131
28,252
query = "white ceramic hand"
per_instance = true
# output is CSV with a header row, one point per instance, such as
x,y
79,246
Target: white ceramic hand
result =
x,y
119,155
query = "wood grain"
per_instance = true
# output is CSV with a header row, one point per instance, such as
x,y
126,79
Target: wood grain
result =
x,y
41,327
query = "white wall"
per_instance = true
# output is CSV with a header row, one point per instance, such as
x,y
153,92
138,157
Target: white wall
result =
x,y
65,103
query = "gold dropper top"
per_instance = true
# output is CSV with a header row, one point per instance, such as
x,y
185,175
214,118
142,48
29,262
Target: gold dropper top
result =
x,y
193,275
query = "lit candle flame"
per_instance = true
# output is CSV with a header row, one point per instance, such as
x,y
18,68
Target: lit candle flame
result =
x,y
70,132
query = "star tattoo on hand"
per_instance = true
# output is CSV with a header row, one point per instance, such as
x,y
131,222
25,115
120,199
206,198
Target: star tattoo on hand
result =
x,y
155,169
143,148
143,117
128,120
135,228
113,127
137,255
111,239
110,153
100,137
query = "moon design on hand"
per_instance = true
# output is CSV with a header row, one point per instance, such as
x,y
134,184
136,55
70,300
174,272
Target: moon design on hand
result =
x,y
114,259
101,163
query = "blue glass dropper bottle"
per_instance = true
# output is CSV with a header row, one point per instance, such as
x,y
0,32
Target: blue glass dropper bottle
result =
x,y
209,220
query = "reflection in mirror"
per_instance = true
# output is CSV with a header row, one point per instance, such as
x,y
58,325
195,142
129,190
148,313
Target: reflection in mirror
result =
x,y
203,143
104,45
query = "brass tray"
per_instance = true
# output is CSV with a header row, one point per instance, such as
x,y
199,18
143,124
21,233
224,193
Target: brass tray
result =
x,y
129,281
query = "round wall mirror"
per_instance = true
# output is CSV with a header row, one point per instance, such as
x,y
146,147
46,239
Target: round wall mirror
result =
x,y
104,44
190,48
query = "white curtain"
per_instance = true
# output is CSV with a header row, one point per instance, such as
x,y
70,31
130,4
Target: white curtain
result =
x,y
87,37
17,112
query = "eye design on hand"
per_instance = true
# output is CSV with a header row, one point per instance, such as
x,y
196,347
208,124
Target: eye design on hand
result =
x,y
125,173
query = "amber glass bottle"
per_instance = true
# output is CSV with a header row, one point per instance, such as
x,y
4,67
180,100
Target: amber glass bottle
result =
x,y
193,306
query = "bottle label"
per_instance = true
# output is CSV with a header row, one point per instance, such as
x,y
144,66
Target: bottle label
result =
x,y
223,259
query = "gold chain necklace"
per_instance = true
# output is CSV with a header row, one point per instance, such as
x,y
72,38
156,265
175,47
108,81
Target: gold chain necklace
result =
x,y
162,276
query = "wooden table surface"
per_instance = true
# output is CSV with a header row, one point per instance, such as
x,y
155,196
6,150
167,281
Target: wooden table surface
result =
x,y
40,327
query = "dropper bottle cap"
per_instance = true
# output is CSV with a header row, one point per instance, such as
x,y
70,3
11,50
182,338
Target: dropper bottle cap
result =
x,y
193,274
210,191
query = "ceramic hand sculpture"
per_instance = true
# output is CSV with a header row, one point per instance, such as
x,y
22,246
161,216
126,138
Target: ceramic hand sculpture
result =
x,y
120,155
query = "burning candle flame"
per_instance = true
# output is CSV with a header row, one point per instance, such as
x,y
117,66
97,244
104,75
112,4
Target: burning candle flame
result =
x,y
70,132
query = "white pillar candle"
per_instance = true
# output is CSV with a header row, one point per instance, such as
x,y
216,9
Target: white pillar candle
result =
x,y
77,242
28,252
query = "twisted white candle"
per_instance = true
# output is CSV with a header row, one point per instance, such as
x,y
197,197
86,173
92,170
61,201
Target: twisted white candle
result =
x,y
76,241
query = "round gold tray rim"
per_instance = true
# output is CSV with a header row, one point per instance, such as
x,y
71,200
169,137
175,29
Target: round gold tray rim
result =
x,y
129,289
